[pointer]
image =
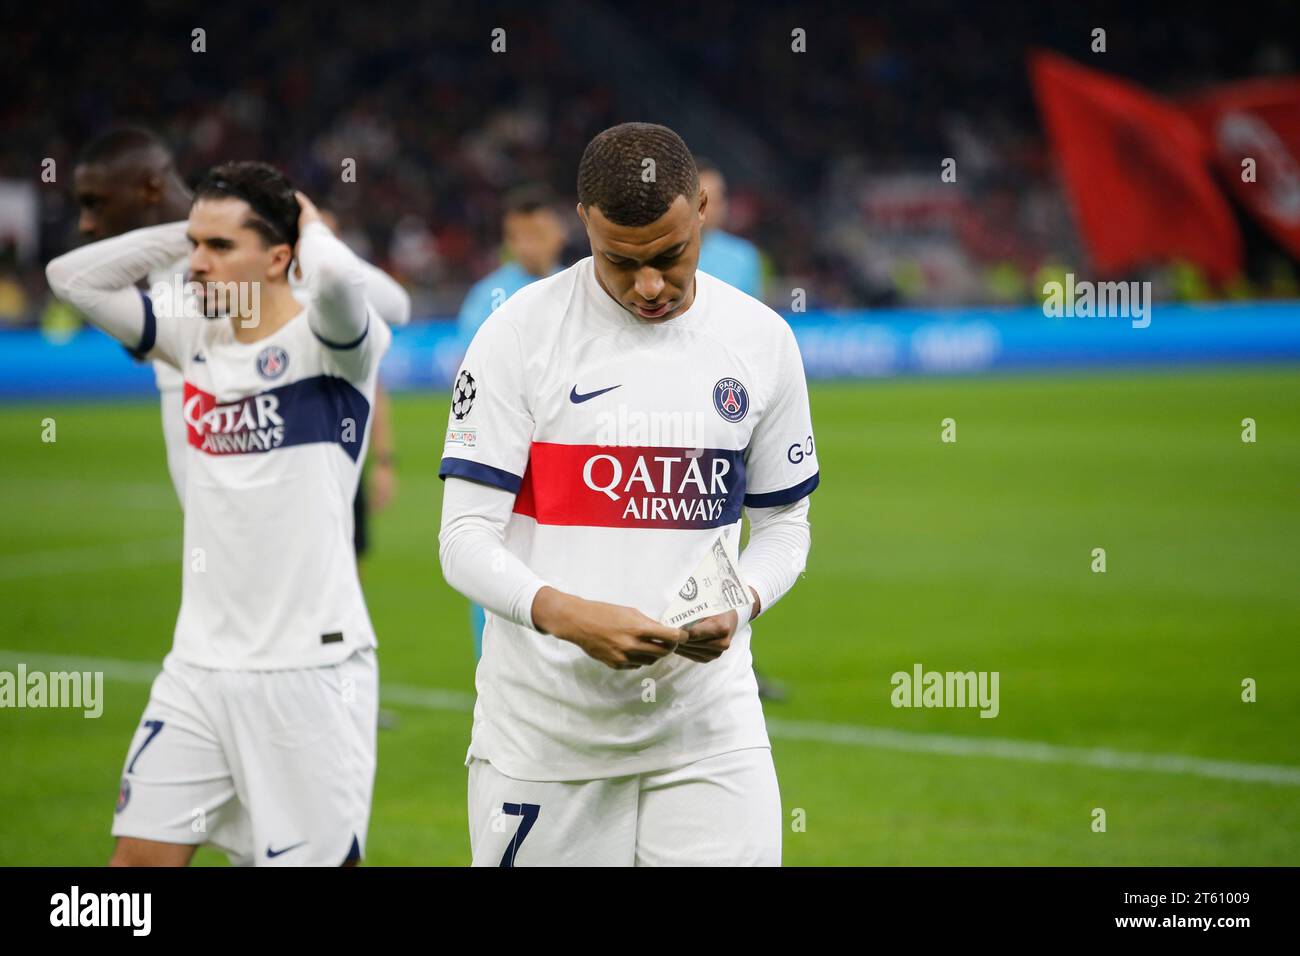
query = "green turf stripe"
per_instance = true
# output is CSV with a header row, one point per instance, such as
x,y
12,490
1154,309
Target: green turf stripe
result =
x,y
429,698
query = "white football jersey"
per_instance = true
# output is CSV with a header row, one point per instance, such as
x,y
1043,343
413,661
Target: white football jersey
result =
x,y
166,292
631,446
277,431
167,379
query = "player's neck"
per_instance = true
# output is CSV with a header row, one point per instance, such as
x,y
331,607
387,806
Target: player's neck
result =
x,y
275,310
176,209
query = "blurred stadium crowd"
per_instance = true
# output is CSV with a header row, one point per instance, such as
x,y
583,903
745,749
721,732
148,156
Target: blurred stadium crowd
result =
x,y
833,155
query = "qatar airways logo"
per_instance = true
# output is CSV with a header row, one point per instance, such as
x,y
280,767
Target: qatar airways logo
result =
x,y
251,424
664,487
641,486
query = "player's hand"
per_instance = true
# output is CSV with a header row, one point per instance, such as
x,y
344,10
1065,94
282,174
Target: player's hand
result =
x,y
710,636
309,213
619,637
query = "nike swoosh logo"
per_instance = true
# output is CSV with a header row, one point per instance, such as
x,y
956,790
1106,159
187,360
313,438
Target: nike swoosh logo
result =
x,y
579,399
272,854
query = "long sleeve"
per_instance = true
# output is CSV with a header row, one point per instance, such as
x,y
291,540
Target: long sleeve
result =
x,y
337,282
471,548
386,295
779,540
100,279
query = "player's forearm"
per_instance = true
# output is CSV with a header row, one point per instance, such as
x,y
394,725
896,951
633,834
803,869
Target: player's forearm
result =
x,y
119,262
338,286
476,563
381,432
552,611
779,540
472,551
390,301
100,279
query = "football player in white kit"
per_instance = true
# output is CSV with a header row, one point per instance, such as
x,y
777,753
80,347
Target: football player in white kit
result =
x,y
608,424
127,179
259,734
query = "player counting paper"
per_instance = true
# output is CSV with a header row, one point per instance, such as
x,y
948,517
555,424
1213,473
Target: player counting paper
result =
x,y
715,587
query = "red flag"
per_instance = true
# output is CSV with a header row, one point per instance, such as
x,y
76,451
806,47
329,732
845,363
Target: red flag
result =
x,y
1258,120
1137,173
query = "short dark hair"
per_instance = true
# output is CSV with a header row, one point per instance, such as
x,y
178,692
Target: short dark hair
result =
x,y
610,175
123,141
706,165
527,199
267,191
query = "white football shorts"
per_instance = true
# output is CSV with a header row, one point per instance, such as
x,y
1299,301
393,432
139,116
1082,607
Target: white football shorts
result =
x,y
276,768
720,811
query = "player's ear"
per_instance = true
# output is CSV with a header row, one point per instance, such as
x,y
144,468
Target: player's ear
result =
x,y
281,255
582,214
704,202
151,189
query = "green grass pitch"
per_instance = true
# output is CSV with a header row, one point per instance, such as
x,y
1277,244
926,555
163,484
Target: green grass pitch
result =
x,y
973,555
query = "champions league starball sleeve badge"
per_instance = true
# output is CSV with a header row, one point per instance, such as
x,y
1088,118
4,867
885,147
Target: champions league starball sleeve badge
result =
x,y
714,587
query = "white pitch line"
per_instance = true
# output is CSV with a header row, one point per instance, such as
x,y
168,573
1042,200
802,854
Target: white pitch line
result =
x,y
875,738
134,554
51,492
915,742
425,698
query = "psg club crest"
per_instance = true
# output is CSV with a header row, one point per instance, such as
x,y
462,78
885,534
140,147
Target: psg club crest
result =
x,y
730,399
123,795
272,361
462,395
